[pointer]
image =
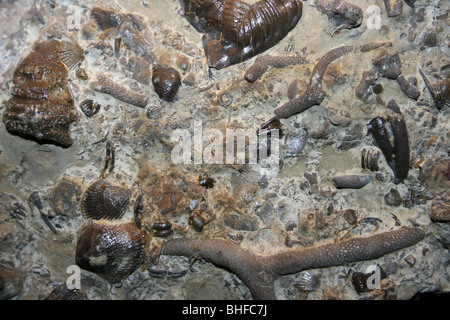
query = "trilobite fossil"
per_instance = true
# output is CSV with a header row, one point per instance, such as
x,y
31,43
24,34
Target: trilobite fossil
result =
x,y
236,31
41,106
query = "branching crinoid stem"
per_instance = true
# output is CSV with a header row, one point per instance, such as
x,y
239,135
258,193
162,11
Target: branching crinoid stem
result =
x,y
314,94
260,272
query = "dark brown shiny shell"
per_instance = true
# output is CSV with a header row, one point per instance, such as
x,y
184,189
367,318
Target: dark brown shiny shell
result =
x,y
166,81
113,250
42,105
391,136
104,200
236,31
89,107
270,125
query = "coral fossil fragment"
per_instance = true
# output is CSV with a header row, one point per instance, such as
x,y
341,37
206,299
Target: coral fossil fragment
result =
x,y
314,94
260,272
104,84
236,31
263,63
42,105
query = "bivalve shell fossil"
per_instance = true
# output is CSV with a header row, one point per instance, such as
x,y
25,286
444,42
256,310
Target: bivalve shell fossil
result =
x,y
104,200
113,250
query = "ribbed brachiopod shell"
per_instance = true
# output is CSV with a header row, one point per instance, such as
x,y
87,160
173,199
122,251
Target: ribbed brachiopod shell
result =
x,y
113,250
166,81
71,54
104,200
89,107
430,38
307,282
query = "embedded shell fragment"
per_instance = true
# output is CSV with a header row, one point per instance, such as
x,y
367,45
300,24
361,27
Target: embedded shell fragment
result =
x,y
391,136
166,81
236,31
113,250
89,107
341,14
104,200
42,104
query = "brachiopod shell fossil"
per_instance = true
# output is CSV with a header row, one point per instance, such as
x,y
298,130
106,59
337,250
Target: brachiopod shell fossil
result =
x,y
113,250
104,200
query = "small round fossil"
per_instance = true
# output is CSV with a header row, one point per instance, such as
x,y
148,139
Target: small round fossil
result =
x,y
89,107
166,81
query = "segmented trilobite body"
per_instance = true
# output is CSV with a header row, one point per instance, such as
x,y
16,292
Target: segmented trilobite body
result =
x,y
236,31
307,282
104,200
41,106
113,250
202,14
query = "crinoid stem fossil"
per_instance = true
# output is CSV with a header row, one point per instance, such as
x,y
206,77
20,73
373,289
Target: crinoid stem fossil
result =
x,y
314,94
264,62
260,272
104,84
